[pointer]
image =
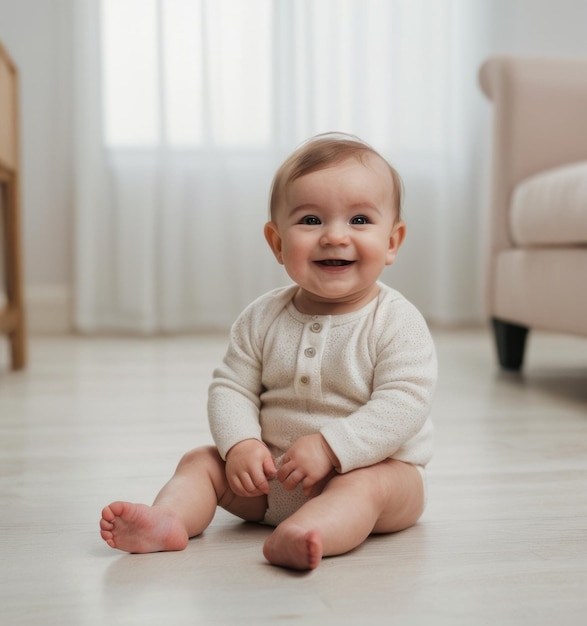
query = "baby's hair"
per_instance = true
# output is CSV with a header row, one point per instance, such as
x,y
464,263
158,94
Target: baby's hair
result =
x,y
320,152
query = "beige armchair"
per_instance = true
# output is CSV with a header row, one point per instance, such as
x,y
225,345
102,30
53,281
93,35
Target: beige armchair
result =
x,y
536,265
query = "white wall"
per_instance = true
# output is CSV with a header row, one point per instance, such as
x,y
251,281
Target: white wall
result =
x,y
540,27
38,35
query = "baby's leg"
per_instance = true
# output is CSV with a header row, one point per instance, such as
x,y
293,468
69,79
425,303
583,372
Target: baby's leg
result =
x,y
383,498
183,508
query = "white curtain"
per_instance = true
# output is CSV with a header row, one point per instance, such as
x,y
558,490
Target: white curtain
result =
x,y
184,109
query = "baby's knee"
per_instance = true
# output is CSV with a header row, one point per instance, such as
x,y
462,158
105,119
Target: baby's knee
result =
x,y
378,481
206,456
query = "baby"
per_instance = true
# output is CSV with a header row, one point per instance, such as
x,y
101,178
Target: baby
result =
x,y
320,411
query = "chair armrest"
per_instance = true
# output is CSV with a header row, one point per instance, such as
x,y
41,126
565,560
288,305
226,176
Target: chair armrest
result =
x,y
539,122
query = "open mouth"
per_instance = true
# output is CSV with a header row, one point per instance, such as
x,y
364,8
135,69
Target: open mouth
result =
x,y
334,262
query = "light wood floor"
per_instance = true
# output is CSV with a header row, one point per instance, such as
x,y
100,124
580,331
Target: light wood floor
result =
x,y
503,540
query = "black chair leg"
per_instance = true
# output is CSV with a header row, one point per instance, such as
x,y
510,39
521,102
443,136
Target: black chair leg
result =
x,y
510,340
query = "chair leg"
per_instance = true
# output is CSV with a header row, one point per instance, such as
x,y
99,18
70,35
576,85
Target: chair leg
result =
x,y
510,340
18,356
15,318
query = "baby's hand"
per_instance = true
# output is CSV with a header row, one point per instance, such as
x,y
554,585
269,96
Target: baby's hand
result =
x,y
249,465
308,461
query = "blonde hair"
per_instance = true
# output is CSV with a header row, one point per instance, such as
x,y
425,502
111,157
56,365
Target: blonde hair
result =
x,y
320,152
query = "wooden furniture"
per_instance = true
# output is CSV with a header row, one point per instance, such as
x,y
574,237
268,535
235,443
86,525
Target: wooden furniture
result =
x,y
12,317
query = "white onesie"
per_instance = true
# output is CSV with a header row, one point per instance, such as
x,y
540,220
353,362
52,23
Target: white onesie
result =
x,y
364,380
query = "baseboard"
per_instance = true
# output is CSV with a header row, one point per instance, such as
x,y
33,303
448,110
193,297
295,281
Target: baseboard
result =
x,y
48,309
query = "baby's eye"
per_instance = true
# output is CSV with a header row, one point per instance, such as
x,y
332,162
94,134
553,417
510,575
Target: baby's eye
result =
x,y
310,220
359,219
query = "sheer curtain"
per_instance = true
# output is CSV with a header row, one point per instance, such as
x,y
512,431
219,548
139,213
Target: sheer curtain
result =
x,y
184,109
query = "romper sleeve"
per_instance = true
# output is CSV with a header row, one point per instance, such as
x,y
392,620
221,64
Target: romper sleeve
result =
x,y
397,415
233,395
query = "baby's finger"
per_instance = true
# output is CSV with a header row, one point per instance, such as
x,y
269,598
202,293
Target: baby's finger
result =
x,y
293,480
236,486
269,467
287,467
260,482
243,485
249,484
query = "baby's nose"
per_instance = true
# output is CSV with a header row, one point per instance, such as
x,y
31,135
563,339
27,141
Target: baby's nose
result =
x,y
335,235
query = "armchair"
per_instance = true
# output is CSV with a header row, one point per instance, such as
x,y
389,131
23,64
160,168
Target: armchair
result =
x,y
536,264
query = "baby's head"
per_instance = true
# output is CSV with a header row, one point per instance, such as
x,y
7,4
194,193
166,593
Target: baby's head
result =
x,y
335,222
320,152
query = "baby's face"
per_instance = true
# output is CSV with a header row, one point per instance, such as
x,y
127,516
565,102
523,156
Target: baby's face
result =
x,y
335,231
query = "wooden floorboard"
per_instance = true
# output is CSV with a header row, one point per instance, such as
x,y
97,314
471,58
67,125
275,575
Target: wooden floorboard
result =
x,y
503,540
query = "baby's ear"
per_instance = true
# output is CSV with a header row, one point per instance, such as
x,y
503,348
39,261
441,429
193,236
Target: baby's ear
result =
x,y
396,239
274,240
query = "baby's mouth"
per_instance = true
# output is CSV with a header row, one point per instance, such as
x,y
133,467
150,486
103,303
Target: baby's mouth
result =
x,y
334,262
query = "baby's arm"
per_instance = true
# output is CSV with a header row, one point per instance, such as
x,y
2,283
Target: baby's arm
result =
x,y
309,460
248,466
397,413
234,394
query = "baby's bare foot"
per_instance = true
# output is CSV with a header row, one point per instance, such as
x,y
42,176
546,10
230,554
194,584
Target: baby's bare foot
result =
x,y
294,547
141,528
